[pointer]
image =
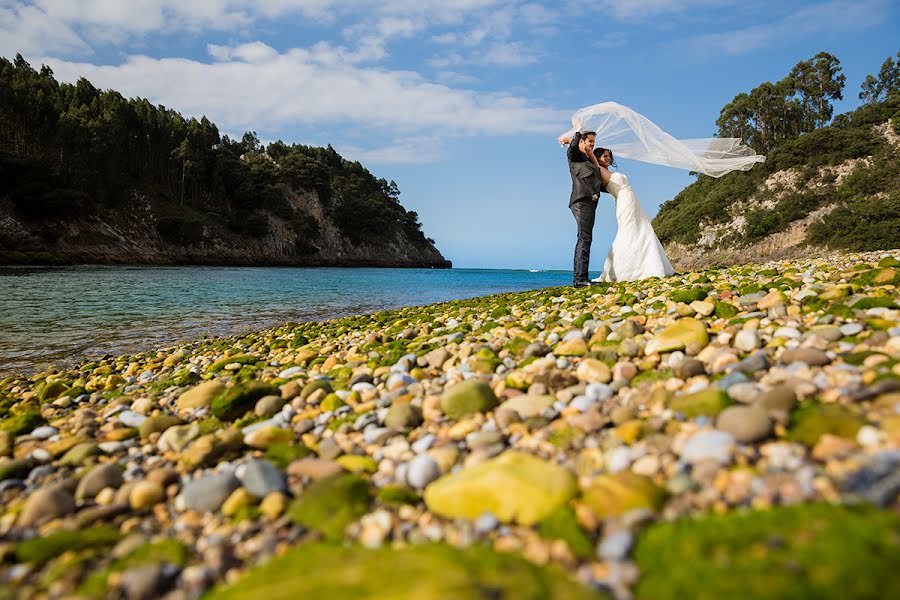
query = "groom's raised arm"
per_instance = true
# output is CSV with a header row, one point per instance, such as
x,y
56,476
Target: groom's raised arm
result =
x,y
574,153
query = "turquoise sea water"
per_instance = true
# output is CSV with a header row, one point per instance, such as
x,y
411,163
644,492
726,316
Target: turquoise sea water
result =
x,y
60,316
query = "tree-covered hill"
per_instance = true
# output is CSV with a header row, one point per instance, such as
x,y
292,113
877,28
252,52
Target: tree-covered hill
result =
x,y
834,186
87,175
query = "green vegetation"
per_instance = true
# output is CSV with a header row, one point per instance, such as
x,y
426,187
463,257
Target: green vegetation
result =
x,y
427,572
41,549
329,505
798,552
867,201
70,151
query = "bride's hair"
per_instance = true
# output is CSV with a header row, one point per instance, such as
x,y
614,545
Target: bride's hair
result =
x,y
598,152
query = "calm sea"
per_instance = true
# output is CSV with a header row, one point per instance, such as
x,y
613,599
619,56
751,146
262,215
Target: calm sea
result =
x,y
60,316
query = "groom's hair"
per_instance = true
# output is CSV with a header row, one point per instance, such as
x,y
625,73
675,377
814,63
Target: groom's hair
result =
x,y
584,134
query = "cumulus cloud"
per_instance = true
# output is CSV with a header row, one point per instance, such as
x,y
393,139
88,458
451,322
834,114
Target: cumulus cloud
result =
x,y
253,86
28,30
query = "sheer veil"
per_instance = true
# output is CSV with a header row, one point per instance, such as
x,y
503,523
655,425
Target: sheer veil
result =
x,y
631,135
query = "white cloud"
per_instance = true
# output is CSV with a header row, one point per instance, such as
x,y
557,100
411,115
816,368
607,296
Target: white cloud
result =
x,y
411,150
629,10
838,16
253,87
29,31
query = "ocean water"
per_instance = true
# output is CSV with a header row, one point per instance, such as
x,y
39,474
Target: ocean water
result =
x,y
63,315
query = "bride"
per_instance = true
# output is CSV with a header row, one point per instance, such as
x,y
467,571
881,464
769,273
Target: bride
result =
x,y
636,252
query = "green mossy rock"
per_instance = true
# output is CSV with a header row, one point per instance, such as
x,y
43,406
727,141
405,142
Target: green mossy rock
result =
x,y
331,402
356,463
874,302
617,493
330,504
686,334
158,424
53,390
812,422
709,401
725,310
200,395
427,572
562,525
471,396
40,549
688,295
21,424
815,551
395,495
315,384
281,455
165,550
241,359
573,347
515,487
403,416
232,403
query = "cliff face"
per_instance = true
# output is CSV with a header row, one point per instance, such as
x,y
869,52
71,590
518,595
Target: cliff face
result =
x,y
130,234
837,188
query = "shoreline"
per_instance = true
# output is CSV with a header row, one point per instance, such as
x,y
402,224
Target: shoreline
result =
x,y
764,397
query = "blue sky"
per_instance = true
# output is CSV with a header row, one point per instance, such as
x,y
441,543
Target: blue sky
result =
x,y
459,101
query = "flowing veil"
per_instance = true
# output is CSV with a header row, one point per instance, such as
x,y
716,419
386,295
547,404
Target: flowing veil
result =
x,y
632,135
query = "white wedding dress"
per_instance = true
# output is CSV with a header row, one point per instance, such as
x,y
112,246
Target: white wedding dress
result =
x,y
636,252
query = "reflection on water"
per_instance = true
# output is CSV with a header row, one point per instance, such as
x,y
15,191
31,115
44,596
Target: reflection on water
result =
x,y
61,315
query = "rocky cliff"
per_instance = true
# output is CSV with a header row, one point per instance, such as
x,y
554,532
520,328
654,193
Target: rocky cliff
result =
x,y
130,234
837,188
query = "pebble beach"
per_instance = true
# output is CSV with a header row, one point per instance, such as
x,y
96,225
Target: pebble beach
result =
x,y
734,431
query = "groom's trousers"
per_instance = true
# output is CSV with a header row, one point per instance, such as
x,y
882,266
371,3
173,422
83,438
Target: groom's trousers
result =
x,y
584,210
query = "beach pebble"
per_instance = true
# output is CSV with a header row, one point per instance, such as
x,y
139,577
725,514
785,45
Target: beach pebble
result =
x,y
261,478
421,471
208,492
709,445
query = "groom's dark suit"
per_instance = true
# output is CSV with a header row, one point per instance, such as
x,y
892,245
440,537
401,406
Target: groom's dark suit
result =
x,y
586,188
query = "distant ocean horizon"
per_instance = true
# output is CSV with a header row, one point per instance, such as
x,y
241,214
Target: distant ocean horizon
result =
x,y
61,316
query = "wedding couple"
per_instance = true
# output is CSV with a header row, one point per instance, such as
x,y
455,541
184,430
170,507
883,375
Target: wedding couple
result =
x,y
636,252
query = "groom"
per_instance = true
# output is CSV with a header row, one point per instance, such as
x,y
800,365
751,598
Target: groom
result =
x,y
586,188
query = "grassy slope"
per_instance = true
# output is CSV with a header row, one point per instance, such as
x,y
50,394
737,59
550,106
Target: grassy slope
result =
x,y
868,213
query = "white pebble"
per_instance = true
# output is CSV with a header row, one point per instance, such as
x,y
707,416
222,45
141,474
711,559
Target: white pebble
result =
x,y
868,436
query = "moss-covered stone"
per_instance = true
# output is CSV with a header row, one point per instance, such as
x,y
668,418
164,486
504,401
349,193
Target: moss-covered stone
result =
x,y
330,504
709,401
356,463
233,402
53,390
332,402
22,423
805,551
281,455
165,550
403,416
200,395
40,549
562,524
158,424
315,384
725,310
470,396
617,493
241,359
686,334
428,572
812,422
688,295
515,487
396,495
